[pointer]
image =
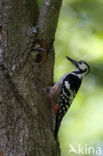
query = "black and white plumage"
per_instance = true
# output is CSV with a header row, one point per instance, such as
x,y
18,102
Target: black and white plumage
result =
x,y
68,85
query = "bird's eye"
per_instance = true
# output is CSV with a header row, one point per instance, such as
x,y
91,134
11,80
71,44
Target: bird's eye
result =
x,y
80,62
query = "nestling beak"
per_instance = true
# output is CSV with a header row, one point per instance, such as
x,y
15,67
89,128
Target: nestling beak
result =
x,y
72,61
39,49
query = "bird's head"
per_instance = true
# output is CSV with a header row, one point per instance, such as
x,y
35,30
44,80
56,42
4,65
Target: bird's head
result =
x,y
82,68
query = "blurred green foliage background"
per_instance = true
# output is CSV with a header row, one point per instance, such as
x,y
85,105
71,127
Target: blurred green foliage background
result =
x,y
80,36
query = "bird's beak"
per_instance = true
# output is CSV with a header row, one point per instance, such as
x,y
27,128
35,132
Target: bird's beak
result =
x,y
72,61
39,49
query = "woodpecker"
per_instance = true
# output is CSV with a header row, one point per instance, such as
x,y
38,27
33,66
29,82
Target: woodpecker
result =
x,y
39,52
64,91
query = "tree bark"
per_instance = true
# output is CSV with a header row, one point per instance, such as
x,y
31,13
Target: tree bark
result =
x,y
26,118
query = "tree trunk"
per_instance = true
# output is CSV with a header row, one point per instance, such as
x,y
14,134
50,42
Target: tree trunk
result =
x,y
26,117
